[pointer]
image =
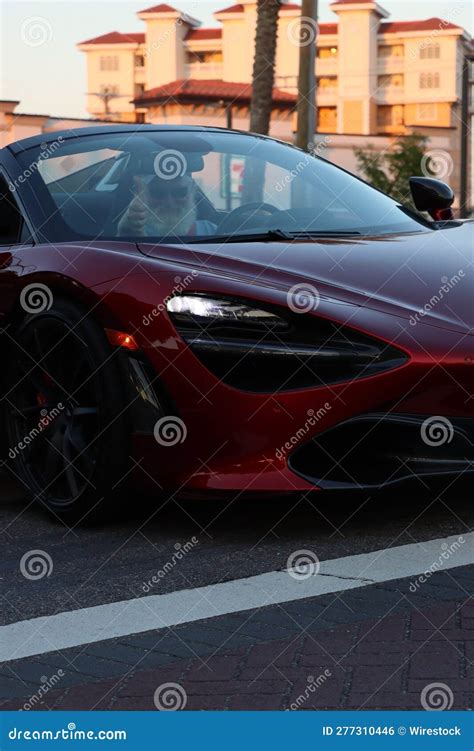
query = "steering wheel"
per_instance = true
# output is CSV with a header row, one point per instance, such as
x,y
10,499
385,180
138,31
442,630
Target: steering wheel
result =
x,y
238,219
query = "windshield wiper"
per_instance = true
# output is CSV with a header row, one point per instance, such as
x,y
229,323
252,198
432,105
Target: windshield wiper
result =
x,y
270,235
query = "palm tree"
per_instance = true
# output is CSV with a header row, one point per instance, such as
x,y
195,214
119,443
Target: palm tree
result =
x,y
262,89
264,65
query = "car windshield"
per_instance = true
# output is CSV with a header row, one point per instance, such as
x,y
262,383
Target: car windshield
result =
x,y
200,186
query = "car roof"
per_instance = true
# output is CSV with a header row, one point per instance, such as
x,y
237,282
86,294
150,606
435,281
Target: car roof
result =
x,y
44,138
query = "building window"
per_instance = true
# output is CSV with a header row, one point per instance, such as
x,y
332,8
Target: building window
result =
x,y
430,51
139,61
429,80
327,53
391,51
139,89
204,57
327,119
109,62
327,84
395,81
427,112
390,116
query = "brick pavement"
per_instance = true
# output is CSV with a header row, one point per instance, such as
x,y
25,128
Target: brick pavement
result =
x,y
376,647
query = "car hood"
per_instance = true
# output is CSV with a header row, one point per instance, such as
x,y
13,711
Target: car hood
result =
x,y
426,275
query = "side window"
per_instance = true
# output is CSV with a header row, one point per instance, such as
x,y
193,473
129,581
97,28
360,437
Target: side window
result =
x,y
10,218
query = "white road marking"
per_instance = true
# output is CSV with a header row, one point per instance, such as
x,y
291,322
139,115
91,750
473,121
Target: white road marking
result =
x,y
77,627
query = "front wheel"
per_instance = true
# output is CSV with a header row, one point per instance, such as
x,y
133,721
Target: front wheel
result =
x,y
66,415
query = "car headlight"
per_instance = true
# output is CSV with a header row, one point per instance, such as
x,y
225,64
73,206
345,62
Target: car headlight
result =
x,y
198,310
270,349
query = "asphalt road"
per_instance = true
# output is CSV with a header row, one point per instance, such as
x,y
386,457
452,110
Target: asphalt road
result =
x,y
237,539
98,565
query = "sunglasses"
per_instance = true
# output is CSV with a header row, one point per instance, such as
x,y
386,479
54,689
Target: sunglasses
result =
x,y
160,192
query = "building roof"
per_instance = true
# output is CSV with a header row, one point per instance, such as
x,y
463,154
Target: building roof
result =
x,y
327,28
239,8
197,34
386,27
115,37
188,90
161,8
427,24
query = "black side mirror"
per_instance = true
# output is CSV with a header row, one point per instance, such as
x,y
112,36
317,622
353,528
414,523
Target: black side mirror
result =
x,y
432,196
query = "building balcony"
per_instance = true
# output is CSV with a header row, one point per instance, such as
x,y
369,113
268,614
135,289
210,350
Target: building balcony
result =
x,y
326,66
390,95
390,65
203,71
327,96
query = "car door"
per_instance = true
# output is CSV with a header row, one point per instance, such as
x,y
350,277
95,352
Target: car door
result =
x,y
14,234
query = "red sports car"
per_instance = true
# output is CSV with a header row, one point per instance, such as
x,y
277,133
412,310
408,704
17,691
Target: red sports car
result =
x,y
209,312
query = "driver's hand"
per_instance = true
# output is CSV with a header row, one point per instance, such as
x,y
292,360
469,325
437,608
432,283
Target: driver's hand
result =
x,y
134,220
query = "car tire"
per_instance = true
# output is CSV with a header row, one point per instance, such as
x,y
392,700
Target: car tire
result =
x,y
67,418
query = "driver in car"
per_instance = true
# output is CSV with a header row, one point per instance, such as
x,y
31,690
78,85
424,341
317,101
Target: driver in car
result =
x,y
164,207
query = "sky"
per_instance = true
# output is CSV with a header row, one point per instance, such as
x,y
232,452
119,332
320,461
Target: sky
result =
x,y
50,78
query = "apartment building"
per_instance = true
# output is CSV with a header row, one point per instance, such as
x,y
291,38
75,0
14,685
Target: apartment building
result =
x,y
376,77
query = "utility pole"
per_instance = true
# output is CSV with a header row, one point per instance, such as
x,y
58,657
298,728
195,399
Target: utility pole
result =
x,y
307,75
